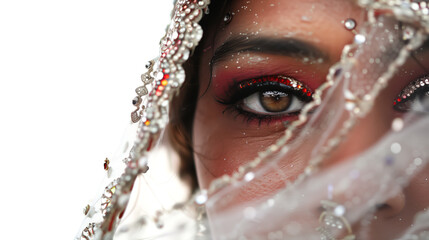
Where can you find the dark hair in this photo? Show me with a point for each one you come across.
(182, 107)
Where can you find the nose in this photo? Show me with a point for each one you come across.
(366, 132)
(364, 135)
(391, 207)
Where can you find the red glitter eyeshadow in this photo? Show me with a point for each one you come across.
(278, 79)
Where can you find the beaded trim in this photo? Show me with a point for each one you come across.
(162, 80)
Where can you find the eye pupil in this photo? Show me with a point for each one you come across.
(275, 101)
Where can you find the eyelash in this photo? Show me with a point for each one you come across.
(243, 89)
(405, 100)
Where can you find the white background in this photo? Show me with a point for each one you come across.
(68, 70)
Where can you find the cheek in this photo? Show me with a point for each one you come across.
(222, 144)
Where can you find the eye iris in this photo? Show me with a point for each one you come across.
(274, 101)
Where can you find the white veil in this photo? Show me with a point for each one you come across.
(337, 202)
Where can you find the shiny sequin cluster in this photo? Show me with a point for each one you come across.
(411, 88)
(278, 79)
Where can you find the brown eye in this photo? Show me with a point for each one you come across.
(275, 101)
(272, 103)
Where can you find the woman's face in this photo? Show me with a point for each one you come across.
(259, 68)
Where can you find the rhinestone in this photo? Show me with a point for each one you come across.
(397, 124)
(148, 65)
(407, 33)
(249, 176)
(350, 106)
(418, 161)
(227, 19)
(415, 6)
(159, 75)
(175, 35)
(339, 211)
(136, 101)
(106, 164)
(395, 148)
(141, 91)
(86, 209)
(135, 117)
(271, 202)
(359, 39)
(350, 24)
(201, 198)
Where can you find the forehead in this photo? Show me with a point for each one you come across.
(317, 21)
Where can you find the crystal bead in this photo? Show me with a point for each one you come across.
(86, 209)
(136, 101)
(135, 117)
(141, 91)
(350, 24)
(418, 161)
(395, 148)
(148, 65)
(397, 124)
(408, 33)
(106, 164)
(159, 75)
(339, 210)
(359, 39)
(228, 17)
(201, 198)
(249, 176)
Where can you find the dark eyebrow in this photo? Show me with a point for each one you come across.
(291, 47)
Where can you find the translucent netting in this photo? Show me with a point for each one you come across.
(355, 185)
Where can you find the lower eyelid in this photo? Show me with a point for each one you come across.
(240, 90)
(252, 118)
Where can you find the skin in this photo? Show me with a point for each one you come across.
(224, 140)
